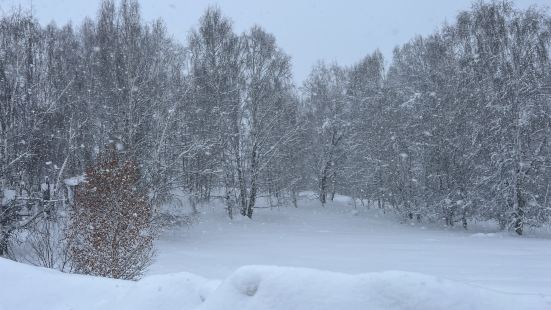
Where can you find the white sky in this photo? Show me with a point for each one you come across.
(308, 30)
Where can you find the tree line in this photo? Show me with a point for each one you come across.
(217, 117)
(456, 128)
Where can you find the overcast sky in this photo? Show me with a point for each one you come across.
(308, 30)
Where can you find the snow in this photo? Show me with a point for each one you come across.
(337, 257)
(7, 196)
(342, 239)
(28, 287)
(74, 181)
(250, 287)
(273, 288)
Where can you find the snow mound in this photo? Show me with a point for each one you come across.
(25, 287)
(275, 288)
(252, 287)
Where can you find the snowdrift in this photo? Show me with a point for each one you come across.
(24, 287)
(253, 287)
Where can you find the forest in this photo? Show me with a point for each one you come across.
(455, 128)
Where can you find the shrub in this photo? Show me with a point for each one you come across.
(110, 228)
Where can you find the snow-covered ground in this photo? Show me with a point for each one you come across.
(250, 288)
(343, 239)
(337, 257)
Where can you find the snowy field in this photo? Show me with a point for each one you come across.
(308, 258)
(343, 239)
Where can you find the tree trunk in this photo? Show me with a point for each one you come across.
(242, 187)
(464, 221)
(252, 194)
(229, 204)
(323, 185)
(519, 214)
(4, 239)
(333, 185)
